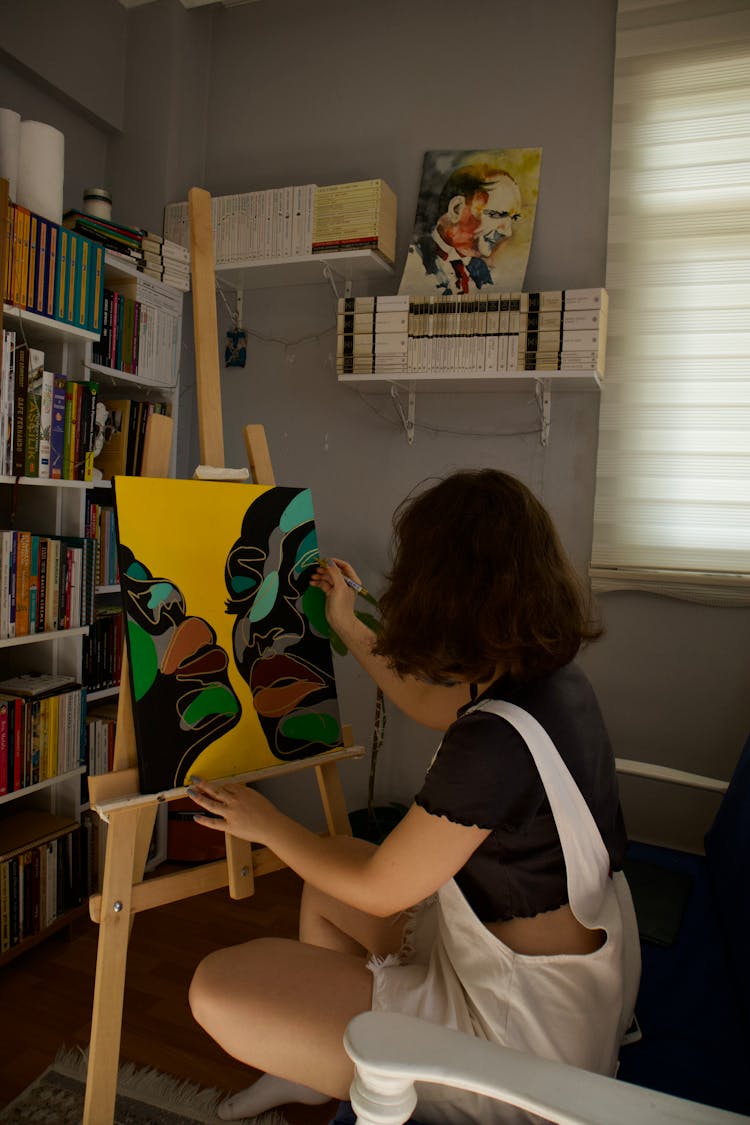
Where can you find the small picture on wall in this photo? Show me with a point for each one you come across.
(474, 221)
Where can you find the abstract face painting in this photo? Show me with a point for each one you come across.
(229, 656)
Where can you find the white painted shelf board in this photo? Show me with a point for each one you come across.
(39, 638)
(45, 482)
(307, 269)
(487, 381)
(46, 784)
(103, 693)
(46, 330)
(117, 377)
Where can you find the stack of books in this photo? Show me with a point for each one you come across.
(491, 333)
(356, 216)
(48, 269)
(276, 223)
(100, 738)
(120, 240)
(141, 332)
(166, 260)
(101, 661)
(47, 421)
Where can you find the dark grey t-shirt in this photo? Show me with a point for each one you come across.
(484, 775)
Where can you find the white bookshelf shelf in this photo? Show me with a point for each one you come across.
(46, 784)
(115, 377)
(44, 329)
(45, 482)
(103, 693)
(307, 269)
(492, 381)
(39, 638)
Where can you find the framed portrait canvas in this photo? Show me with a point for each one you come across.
(230, 660)
(474, 221)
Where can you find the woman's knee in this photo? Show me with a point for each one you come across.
(215, 979)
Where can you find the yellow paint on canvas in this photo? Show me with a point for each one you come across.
(193, 558)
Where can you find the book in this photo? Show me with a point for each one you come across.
(41, 385)
(33, 685)
(57, 428)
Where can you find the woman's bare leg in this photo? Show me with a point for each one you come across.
(282, 1006)
(326, 922)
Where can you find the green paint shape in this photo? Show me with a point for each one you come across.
(265, 599)
(299, 510)
(159, 594)
(242, 583)
(307, 553)
(144, 661)
(319, 727)
(137, 570)
(215, 700)
(314, 609)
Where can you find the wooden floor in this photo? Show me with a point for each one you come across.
(46, 994)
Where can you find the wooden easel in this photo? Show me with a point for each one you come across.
(130, 815)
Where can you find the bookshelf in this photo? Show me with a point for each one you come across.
(45, 828)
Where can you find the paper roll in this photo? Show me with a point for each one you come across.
(41, 168)
(10, 141)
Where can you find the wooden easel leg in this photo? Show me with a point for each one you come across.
(124, 840)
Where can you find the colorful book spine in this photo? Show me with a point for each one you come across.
(57, 428)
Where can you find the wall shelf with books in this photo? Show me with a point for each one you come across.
(114, 377)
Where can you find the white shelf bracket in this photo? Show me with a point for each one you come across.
(544, 404)
(328, 275)
(407, 420)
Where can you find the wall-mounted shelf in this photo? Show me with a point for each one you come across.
(443, 381)
(307, 269)
(541, 382)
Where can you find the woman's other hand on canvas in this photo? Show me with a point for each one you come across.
(234, 808)
(340, 598)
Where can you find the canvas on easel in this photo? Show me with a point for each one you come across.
(230, 660)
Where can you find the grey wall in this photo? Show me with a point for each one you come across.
(263, 95)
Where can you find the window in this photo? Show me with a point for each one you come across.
(672, 510)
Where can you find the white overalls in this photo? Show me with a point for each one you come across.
(571, 1007)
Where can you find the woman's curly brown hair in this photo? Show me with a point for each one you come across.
(480, 580)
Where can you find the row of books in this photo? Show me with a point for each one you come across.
(483, 332)
(295, 221)
(47, 583)
(99, 525)
(101, 659)
(100, 738)
(41, 735)
(147, 251)
(47, 421)
(42, 882)
(48, 269)
(159, 331)
(124, 436)
(117, 347)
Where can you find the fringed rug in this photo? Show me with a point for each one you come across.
(144, 1097)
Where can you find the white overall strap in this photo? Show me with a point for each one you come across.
(586, 857)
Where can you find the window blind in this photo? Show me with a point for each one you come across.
(672, 507)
